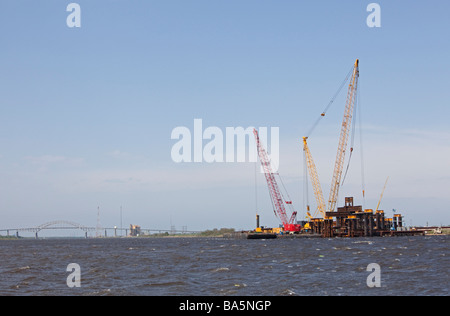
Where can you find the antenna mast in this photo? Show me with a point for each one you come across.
(98, 228)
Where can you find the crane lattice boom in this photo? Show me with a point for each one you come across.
(275, 194)
(343, 139)
(315, 181)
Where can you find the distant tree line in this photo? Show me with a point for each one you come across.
(216, 232)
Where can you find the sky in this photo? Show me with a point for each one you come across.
(87, 113)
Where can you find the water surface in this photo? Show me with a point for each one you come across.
(216, 266)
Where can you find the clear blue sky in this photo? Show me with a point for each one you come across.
(87, 113)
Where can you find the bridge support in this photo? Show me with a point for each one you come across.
(36, 236)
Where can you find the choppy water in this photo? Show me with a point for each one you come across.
(215, 266)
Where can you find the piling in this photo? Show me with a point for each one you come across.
(352, 221)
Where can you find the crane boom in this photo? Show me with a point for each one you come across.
(382, 192)
(343, 139)
(275, 194)
(315, 181)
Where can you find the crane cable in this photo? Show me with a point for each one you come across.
(357, 108)
(256, 187)
(256, 195)
(305, 187)
(352, 145)
(330, 103)
(289, 201)
(363, 185)
(305, 191)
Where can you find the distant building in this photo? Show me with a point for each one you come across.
(135, 230)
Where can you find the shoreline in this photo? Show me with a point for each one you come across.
(215, 233)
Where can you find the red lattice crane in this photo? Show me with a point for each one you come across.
(278, 201)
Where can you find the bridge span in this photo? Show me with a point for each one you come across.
(99, 232)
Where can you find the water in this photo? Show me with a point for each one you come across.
(216, 266)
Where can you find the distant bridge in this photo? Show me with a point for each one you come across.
(100, 232)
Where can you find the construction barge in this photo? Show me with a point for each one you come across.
(256, 235)
(347, 221)
(326, 221)
(353, 221)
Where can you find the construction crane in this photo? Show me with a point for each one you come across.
(278, 201)
(382, 192)
(315, 182)
(343, 139)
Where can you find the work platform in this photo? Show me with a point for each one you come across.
(353, 221)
